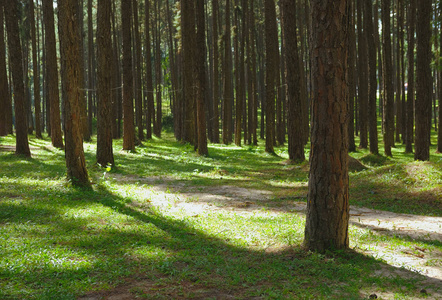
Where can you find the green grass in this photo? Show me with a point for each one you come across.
(57, 242)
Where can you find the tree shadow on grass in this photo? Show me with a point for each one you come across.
(98, 240)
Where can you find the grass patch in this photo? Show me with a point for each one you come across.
(63, 243)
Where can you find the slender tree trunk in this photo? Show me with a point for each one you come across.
(439, 132)
(271, 69)
(138, 85)
(37, 99)
(200, 55)
(424, 83)
(52, 74)
(105, 155)
(158, 68)
(328, 207)
(91, 77)
(238, 81)
(16, 66)
(215, 71)
(188, 44)
(128, 106)
(352, 80)
(372, 116)
(70, 51)
(398, 74)
(227, 73)
(388, 108)
(83, 98)
(5, 100)
(292, 73)
(363, 77)
(410, 89)
(149, 82)
(253, 77)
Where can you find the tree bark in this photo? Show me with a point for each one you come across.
(227, 80)
(292, 73)
(138, 72)
(328, 208)
(424, 83)
(70, 56)
(128, 105)
(409, 132)
(5, 100)
(372, 80)
(363, 77)
(200, 55)
(37, 99)
(52, 74)
(105, 155)
(215, 72)
(150, 110)
(16, 66)
(388, 107)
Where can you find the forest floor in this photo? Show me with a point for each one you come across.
(196, 201)
(166, 223)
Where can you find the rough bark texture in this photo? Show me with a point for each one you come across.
(128, 105)
(16, 66)
(271, 69)
(328, 207)
(372, 80)
(294, 118)
(201, 77)
(5, 100)
(409, 131)
(70, 55)
(52, 74)
(104, 79)
(424, 83)
(388, 106)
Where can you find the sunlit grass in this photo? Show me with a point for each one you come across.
(58, 242)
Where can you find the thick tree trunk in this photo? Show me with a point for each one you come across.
(128, 105)
(52, 74)
(424, 83)
(70, 56)
(105, 155)
(16, 66)
(328, 208)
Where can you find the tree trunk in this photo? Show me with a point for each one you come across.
(271, 69)
(52, 74)
(158, 68)
(227, 73)
(388, 107)
(16, 66)
(200, 55)
(372, 82)
(150, 110)
(91, 75)
(128, 105)
(215, 72)
(292, 73)
(352, 80)
(5, 100)
(363, 77)
(105, 155)
(36, 76)
(70, 56)
(439, 132)
(409, 132)
(424, 83)
(328, 208)
(188, 44)
(138, 85)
